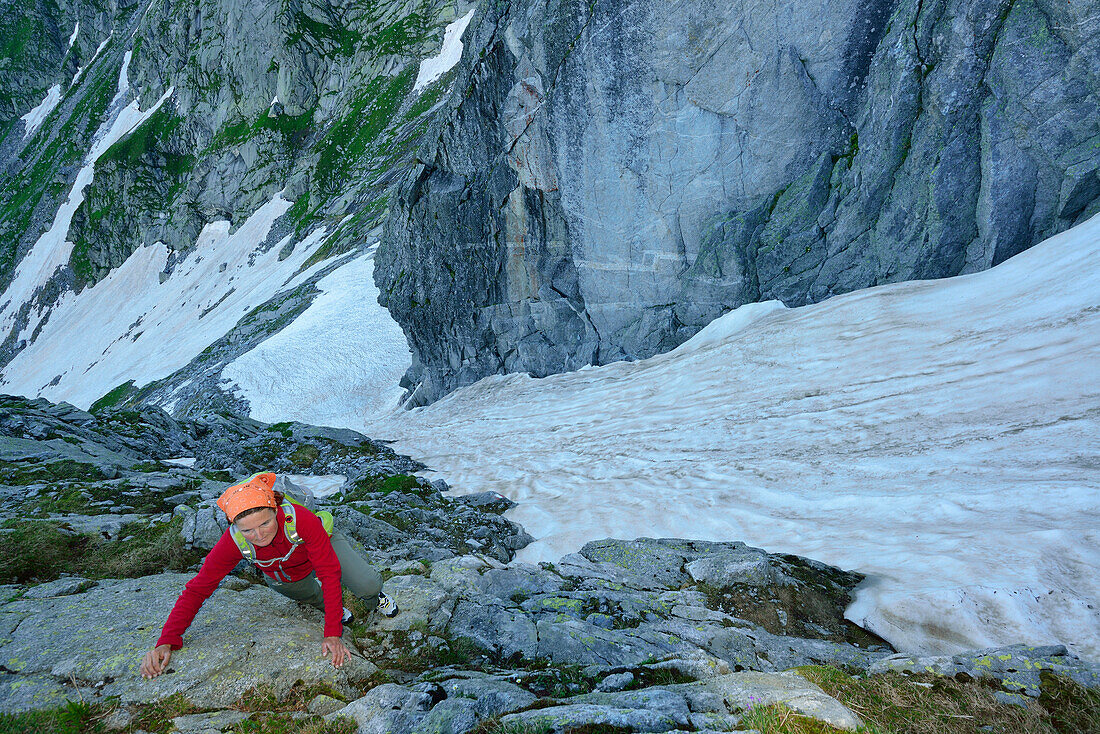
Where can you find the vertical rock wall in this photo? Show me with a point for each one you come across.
(620, 172)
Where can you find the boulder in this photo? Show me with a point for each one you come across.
(615, 682)
(203, 528)
(744, 690)
(422, 601)
(323, 705)
(489, 501)
(747, 566)
(493, 697)
(492, 625)
(386, 709)
(240, 639)
(453, 716)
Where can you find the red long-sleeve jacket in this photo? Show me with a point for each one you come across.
(314, 554)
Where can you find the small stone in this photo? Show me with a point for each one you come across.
(323, 705)
(118, 719)
(1014, 699)
(615, 682)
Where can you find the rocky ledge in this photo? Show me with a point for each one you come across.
(648, 635)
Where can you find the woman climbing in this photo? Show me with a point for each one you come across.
(293, 547)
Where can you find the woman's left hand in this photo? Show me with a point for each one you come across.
(335, 647)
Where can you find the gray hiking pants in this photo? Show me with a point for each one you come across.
(355, 573)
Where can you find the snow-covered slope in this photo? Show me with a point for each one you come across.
(52, 250)
(134, 325)
(337, 364)
(939, 436)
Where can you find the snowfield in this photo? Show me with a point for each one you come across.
(942, 437)
(338, 363)
(131, 326)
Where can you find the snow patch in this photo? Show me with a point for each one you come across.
(52, 250)
(123, 78)
(187, 461)
(34, 119)
(435, 67)
(938, 436)
(337, 364)
(72, 38)
(321, 485)
(130, 326)
(80, 71)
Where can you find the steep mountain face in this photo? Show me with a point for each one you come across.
(594, 181)
(619, 172)
(295, 117)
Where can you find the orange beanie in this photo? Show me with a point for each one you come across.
(256, 491)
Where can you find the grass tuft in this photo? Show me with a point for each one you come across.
(74, 718)
(895, 703)
(37, 551)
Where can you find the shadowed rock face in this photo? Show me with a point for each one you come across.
(621, 172)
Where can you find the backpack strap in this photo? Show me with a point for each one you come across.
(246, 549)
(290, 524)
(290, 527)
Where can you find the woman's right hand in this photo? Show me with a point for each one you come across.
(155, 661)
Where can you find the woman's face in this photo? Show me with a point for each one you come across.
(259, 528)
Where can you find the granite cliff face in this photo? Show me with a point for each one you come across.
(619, 172)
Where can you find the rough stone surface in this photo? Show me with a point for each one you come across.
(1017, 667)
(97, 646)
(387, 709)
(749, 688)
(493, 697)
(216, 721)
(562, 718)
(561, 219)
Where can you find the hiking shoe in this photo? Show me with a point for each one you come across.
(387, 606)
(348, 617)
